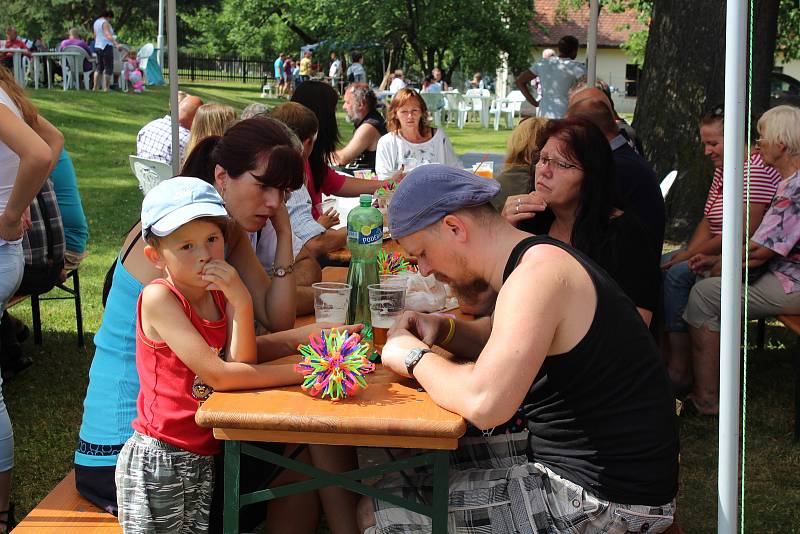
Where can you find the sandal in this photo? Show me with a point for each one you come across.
(10, 521)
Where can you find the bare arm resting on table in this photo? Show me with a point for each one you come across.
(529, 324)
(365, 137)
(353, 187)
(163, 319)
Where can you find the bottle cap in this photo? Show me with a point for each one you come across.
(365, 200)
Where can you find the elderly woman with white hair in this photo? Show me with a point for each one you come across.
(774, 249)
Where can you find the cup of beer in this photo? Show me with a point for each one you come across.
(399, 279)
(485, 169)
(331, 300)
(386, 305)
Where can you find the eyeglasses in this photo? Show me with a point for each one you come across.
(409, 112)
(761, 142)
(542, 161)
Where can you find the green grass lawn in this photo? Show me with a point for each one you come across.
(45, 402)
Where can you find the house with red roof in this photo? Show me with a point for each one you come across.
(556, 18)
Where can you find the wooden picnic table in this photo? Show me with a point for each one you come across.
(393, 412)
(342, 255)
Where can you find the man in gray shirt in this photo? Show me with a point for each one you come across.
(556, 76)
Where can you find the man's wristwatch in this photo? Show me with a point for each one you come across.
(413, 358)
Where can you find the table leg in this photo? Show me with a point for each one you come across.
(230, 517)
(64, 74)
(441, 491)
(35, 72)
(50, 75)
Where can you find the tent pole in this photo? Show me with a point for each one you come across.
(732, 235)
(160, 55)
(172, 58)
(591, 43)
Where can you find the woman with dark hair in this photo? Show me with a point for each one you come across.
(322, 99)
(104, 43)
(573, 201)
(411, 142)
(253, 166)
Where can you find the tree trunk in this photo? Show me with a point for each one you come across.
(765, 33)
(683, 78)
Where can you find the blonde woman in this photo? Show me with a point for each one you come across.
(516, 178)
(29, 148)
(211, 119)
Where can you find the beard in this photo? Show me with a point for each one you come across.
(469, 290)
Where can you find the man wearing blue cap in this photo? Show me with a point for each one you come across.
(565, 355)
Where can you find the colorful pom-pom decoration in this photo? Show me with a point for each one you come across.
(392, 263)
(334, 364)
(387, 187)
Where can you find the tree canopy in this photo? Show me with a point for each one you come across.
(420, 34)
(135, 21)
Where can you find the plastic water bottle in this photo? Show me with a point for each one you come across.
(364, 239)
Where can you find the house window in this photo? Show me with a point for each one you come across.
(632, 72)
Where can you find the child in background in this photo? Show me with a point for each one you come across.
(132, 73)
(194, 334)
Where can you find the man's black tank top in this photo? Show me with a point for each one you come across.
(366, 160)
(602, 415)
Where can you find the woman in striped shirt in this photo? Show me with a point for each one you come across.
(774, 247)
(680, 273)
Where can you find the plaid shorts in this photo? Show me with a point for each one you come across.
(162, 488)
(494, 489)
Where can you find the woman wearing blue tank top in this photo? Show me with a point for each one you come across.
(254, 156)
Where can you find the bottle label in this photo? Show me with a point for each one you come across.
(366, 235)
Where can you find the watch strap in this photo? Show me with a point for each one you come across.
(413, 359)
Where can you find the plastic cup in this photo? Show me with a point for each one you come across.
(485, 169)
(386, 305)
(331, 300)
(399, 280)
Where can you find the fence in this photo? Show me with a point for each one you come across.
(195, 67)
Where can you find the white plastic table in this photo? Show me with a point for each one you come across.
(19, 75)
(63, 57)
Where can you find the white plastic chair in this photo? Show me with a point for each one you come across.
(475, 95)
(143, 55)
(75, 65)
(435, 104)
(510, 106)
(119, 58)
(149, 172)
(458, 106)
(667, 182)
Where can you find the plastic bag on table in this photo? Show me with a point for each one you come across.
(425, 293)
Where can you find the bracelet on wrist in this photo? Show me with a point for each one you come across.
(449, 337)
(277, 271)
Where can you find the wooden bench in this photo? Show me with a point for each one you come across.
(65, 511)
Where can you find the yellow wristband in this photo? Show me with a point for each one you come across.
(450, 334)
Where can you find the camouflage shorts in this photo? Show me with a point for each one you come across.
(162, 488)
